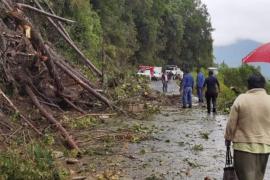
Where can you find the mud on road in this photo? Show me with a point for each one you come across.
(184, 144)
(188, 145)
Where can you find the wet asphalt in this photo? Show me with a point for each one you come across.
(185, 144)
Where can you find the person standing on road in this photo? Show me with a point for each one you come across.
(164, 79)
(211, 94)
(199, 85)
(181, 89)
(187, 84)
(248, 128)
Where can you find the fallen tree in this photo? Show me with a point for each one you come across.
(30, 64)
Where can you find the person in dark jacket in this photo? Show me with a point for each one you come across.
(199, 85)
(211, 83)
(187, 85)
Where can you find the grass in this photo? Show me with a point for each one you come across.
(204, 135)
(192, 164)
(197, 147)
(32, 161)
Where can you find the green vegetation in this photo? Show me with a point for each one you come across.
(191, 163)
(237, 78)
(81, 122)
(86, 32)
(197, 147)
(33, 161)
(131, 86)
(205, 135)
(154, 32)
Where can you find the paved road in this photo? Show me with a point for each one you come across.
(186, 144)
(173, 87)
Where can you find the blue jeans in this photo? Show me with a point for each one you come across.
(200, 94)
(165, 86)
(187, 96)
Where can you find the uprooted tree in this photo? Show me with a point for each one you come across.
(31, 67)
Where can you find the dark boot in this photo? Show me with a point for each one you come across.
(208, 111)
(214, 110)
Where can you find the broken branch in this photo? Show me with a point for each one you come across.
(85, 60)
(74, 106)
(51, 119)
(58, 22)
(21, 5)
(83, 84)
(17, 111)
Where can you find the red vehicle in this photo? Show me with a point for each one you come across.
(147, 71)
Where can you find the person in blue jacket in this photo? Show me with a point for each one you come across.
(199, 85)
(187, 85)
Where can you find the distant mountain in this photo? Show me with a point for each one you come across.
(232, 54)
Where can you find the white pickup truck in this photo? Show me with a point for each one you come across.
(174, 71)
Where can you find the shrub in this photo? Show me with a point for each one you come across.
(226, 97)
(237, 77)
(233, 77)
(31, 161)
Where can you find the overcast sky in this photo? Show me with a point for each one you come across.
(239, 19)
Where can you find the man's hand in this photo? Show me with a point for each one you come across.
(227, 142)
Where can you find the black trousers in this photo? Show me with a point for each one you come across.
(211, 99)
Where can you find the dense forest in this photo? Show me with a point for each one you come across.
(129, 32)
(71, 106)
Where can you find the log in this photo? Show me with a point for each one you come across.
(50, 104)
(51, 119)
(58, 22)
(74, 106)
(51, 66)
(84, 60)
(48, 100)
(97, 114)
(41, 45)
(77, 73)
(83, 84)
(18, 112)
(74, 71)
(42, 12)
(6, 125)
(7, 4)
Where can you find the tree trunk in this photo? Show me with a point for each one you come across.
(44, 13)
(85, 60)
(83, 84)
(51, 119)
